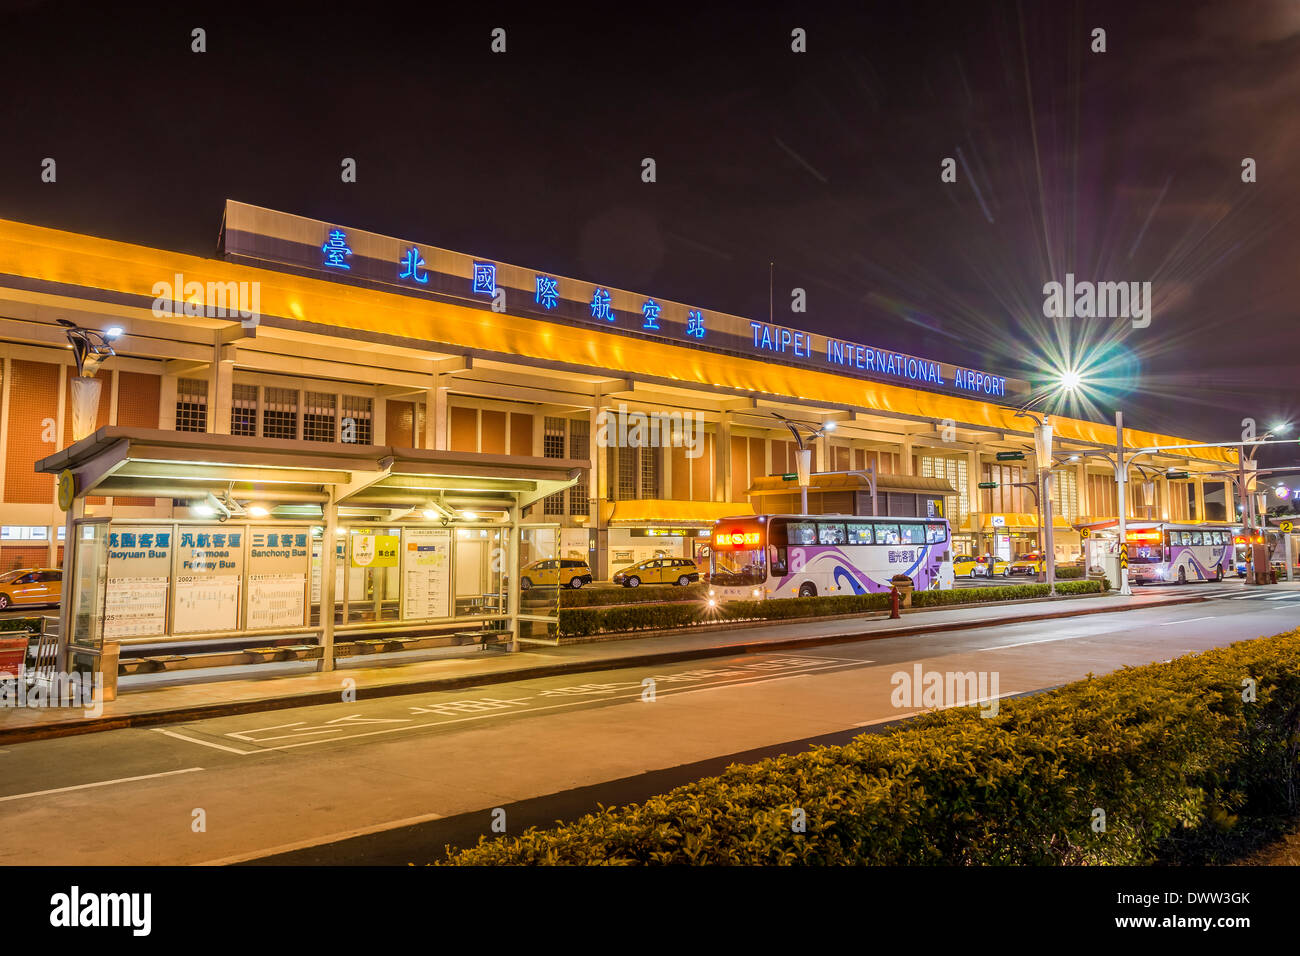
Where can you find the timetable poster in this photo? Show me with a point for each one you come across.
(426, 585)
(135, 590)
(338, 572)
(209, 570)
(277, 577)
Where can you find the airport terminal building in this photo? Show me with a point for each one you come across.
(300, 330)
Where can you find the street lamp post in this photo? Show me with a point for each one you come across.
(803, 457)
(89, 350)
(1121, 480)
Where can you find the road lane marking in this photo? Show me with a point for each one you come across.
(205, 743)
(1187, 620)
(322, 840)
(661, 693)
(100, 783)
(1045, 640)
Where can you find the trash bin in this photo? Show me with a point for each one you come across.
(108, 664)
(905, 588)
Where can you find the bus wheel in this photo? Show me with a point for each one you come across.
(807, 589)
(1182, 575)
(1218, 574)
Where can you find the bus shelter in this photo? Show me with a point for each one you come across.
(231, 567)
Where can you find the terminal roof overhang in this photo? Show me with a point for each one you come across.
(146, 462)
(46, 265)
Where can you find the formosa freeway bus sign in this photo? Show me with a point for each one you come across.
(272, 239)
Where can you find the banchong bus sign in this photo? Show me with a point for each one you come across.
(272, 239)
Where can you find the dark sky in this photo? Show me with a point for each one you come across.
(1120, 166)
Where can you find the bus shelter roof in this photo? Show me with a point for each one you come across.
(154, 463)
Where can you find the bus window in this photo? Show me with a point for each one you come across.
(888, 534)
(859, 533)
(830, 533)
(936, 533)
(1196, 537)
(912, 533)
(801, 532)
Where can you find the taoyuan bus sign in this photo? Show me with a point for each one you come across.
(266, 237)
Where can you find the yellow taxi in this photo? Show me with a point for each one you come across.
(1030, 563)
(31, 586)
(678, 571)
(977, 566)
(555, 572)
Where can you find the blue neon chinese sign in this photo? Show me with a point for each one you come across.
(485, 278)
(411, 264)
(548, 292)
(336, 250)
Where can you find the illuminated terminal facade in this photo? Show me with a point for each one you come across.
(299, 329)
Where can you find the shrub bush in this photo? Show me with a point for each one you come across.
(1166, 750)
(584, 622)
(597, 597)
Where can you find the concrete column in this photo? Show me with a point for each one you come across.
(722, 463)
(1199, 485)
(906, 455)
(1162, 510)
(327, 571)
(435, 413)
(220, 385)
(596, 491)
(972, 490)
(1081, 479)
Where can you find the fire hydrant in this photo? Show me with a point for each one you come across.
(893, 603)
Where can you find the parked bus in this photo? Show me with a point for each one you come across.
(784, 556)
(1160, 551)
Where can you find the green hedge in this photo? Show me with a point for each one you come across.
(21, 624)
(1170, 752)
(646, 594)
(584, 622)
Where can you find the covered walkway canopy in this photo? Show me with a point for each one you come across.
(420, 537)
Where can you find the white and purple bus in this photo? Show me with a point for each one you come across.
(1161, 551)
(782, 556)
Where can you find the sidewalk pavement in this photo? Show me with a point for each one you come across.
(260, 691)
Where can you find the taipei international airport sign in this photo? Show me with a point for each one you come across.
(271, 239)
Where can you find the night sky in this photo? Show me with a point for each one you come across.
(1117, 166)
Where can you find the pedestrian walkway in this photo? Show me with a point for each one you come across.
(266, 690)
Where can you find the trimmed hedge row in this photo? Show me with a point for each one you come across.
(595, 597)
(21, 624)
(1170, 753)
(584, 622)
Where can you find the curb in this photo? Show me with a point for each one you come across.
(427, 685)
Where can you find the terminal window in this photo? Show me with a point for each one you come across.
(318, 417)
(358, 413)
(243, 410)
(280, 413)
(191, 405)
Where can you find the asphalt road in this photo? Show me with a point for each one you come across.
(392, 780)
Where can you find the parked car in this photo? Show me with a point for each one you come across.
(555, 572)
(679, 571)
(1029, 563)
(27, 586)
(977, 566)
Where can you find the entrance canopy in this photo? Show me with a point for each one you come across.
(247, 472)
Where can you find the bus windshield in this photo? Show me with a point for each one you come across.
(739, 568)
